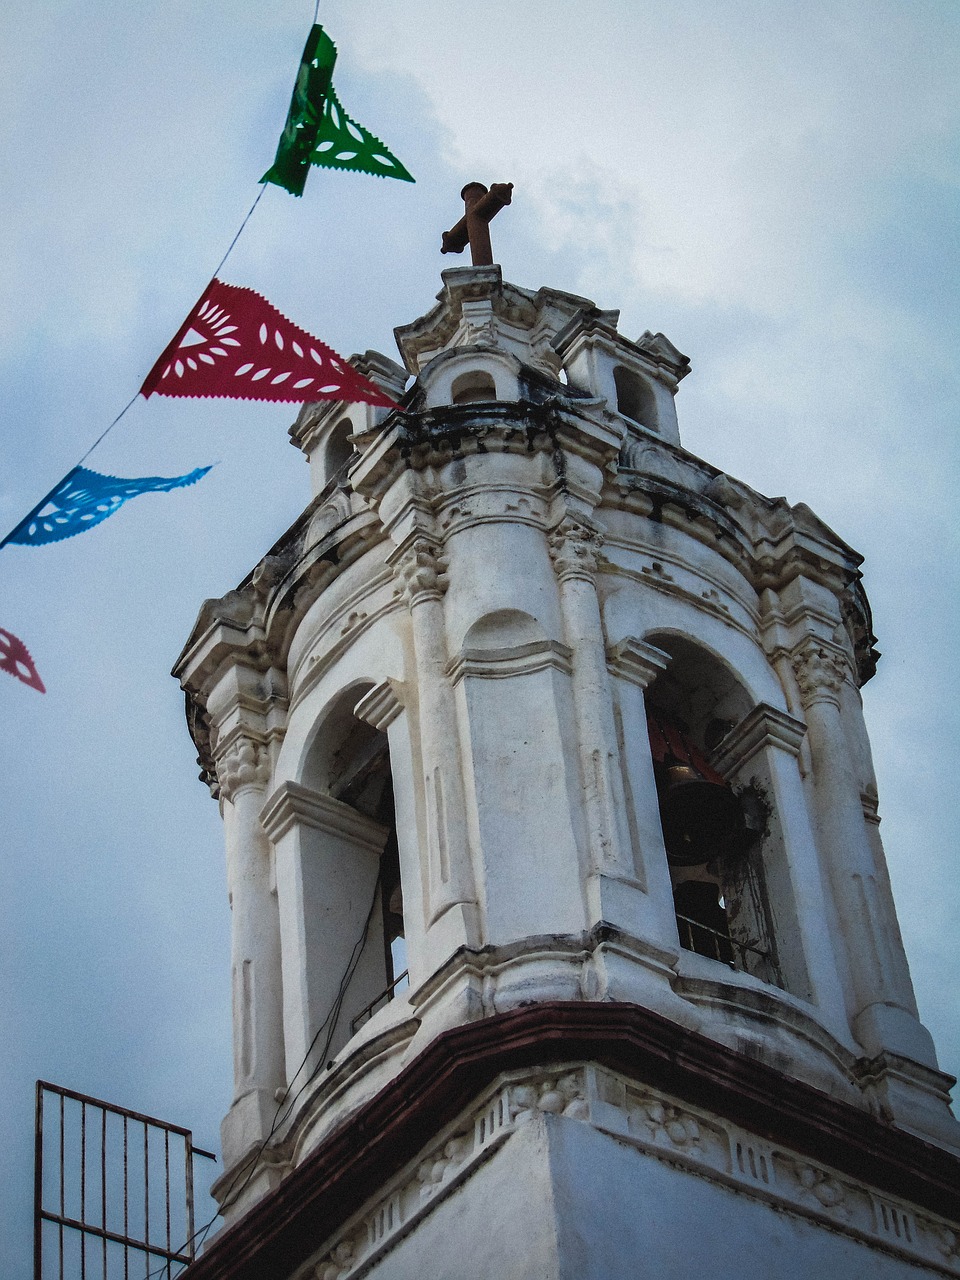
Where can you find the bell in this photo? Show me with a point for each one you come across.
(702, 821)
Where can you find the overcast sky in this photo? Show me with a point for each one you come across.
(773, 185)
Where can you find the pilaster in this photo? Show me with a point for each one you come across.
(328, 862)
(574, 548)
(419, 567)
(883, 1012)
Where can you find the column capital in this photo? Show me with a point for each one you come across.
(636, 661)
(820, 669)
(575, 548)
(242, 763)
(420, 567)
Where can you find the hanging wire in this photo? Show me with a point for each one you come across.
(103, 434)
(130, 403)
(216, 271)
(244, 1177)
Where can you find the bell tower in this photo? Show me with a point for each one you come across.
(563, 944)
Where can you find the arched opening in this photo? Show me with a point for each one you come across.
(473, 387)
(635, 397)
(711, 829)
(338, 450)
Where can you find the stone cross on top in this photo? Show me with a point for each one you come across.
(474, 227)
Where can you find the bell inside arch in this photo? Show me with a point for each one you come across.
(702, 819)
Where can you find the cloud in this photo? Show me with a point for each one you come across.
(774, 186)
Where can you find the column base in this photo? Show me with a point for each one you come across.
(243, 1133)
(913, 1097)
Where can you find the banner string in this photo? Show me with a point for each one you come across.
(129, 405)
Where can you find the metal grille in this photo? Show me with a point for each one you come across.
(113, 1191)
(366, 1013)
(744, 956)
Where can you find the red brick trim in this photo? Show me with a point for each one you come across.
(280, 1232)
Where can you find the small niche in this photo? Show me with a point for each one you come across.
(635, 398)
(338, 450)
(473, 387)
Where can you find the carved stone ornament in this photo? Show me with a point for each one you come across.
(244, 763)
(820, 672)
(575, 548)
(422, 570)
(657, 1126)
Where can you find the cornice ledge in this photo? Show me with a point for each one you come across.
(636, 661)
(211, 644)
(513, 660)
(764, 726)
(381, 706)
(282, 1231)
(292, 804)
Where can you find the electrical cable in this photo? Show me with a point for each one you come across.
(332, 1019)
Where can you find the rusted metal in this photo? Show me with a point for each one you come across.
(385, 996)
(99, 1227)
(747, 957)
(480, 206)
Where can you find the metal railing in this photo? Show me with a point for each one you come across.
(113, 1191)
(368, 1010)
(745, 957)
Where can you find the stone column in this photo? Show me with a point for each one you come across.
(258, 1053)
(884, 1013)
(450, 880)
(573, 548)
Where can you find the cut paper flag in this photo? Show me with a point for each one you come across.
(16, 661)
(318, 130)
(83, 499)
(234, 343)
(344, 144)
(299, 137)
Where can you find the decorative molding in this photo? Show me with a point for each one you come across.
(656, 1124)
(820, 670)
(871, 804)
(575, 549)
(420, 568)
(514, 660)
(764, 726)
(381, 706)
(242, 764)
(294, 805)
(425, 1103)
(637, 661)
(446, 1164)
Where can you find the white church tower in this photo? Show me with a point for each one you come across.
(563, 944)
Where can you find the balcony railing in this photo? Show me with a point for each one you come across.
(743, 957)
(113, 1191)
(400, 983)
